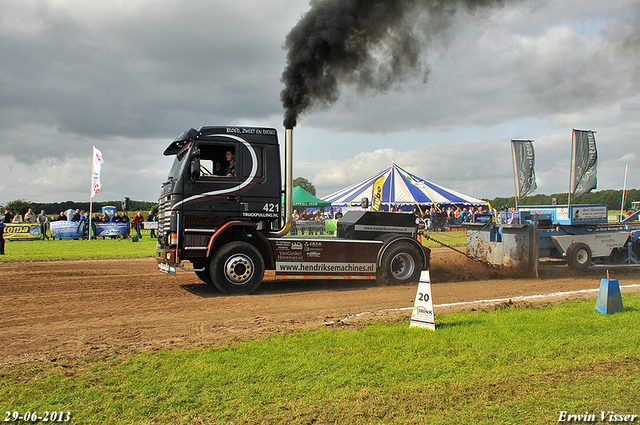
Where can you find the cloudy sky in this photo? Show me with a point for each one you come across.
(129, 76)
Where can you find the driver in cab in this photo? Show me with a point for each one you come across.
(230, 171)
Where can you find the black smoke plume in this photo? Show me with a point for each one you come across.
(372, 44)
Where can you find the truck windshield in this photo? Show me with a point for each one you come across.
(178, 163)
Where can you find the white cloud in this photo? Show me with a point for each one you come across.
(129, 76)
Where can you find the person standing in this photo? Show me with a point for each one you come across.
(136, 223)
(43, 220)
(8, 217)
(30, 217)
(94, 220)
(2, 238)
(2, 230)
(84, 220)
(151, 218)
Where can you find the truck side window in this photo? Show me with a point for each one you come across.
(213, 160)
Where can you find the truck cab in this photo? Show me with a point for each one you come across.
(220, 210)
(205, 191)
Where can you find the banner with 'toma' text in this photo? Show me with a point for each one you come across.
(21, 231)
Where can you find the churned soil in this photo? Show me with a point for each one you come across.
(73, 308)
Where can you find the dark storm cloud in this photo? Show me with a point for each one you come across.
(497, 65)
(373, 44)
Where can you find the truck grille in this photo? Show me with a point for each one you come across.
(164, 216)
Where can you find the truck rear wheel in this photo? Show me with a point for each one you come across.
(401, 264)
(579, 256)
(237, 268)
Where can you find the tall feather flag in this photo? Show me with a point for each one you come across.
(376, 198)
(96, 169)
(524, 167)
(585, 162)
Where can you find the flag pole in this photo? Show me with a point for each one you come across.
(571, 167)
(91, 193)
(624, 190)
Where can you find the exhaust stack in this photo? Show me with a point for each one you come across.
(288, 182)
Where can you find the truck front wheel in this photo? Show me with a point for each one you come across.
(579, 256)
(204, 275)
(237, 268)
(401, 264)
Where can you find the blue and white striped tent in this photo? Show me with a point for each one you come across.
(400, 188)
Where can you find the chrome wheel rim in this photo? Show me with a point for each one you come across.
(238, 269)
(402, 266)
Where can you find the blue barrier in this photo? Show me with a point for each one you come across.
(609, 297)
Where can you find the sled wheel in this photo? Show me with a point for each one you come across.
(237, 268)
(579, 256)
(401, 264)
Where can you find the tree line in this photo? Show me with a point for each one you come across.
(612, 198)
(21, 206)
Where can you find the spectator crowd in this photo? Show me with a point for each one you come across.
(436, 218)
(78, 216)
(429, 217)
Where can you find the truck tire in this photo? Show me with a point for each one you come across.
(237, 268)
(203, 275)
(579, 256)
(401, 264)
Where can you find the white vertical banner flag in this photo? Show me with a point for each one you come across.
(96, 168)
(422, 315)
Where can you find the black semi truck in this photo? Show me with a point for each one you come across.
(230, 225)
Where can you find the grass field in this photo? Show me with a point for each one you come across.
(95, 248)
(508, 366)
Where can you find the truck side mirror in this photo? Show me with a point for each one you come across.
(194, 168)
(365, 202)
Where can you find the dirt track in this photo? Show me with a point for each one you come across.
(73, 308)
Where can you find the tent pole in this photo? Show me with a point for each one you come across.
(392, 192)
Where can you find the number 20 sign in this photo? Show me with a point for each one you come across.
(422, 315)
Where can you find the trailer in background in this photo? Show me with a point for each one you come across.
(578, 234)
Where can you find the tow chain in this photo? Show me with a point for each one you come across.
(469, 256)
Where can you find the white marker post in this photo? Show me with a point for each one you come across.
(422, 315)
